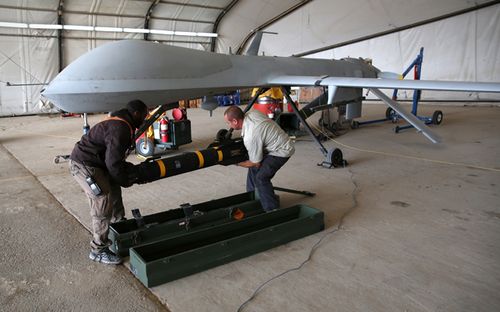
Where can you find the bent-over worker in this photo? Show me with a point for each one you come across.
(268, 146)
(98, 165)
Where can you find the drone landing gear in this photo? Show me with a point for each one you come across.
(334, 158)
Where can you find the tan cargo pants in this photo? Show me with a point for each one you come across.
(104, 208)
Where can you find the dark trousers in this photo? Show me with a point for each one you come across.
(260, 179)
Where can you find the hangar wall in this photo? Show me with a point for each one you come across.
(464, 47)
(25, 63)
(29, 57)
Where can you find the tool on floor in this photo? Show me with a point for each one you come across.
(286, 190)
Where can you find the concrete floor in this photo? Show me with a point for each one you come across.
(410, 225)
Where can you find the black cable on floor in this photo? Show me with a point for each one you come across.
(313, 248)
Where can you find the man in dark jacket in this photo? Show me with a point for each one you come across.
(98, 165)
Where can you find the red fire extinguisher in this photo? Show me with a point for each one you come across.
(164, 130)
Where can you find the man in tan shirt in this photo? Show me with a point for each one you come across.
(269, 148)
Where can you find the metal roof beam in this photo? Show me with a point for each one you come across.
(269, 23)
(192, 5)
(12, 7)
(218, 20)
(66, 12)
(60, 21)
(140, 16)
(149, 13)
(97, 38)
(203, 6)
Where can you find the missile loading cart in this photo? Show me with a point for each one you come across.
(165, 134)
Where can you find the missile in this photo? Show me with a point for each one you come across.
(229, 152)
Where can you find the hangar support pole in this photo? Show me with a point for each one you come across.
(60, 21)
(270, 22)
(218, 20)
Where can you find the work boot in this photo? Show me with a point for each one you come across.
(105, 256)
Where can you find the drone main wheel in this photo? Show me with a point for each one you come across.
(389, 113)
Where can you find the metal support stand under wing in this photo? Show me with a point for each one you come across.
(333, 157)
(254, 99)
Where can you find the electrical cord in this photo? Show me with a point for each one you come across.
(313, 248)
(355, 204)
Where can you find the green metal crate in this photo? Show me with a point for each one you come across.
(192, 252)
(168, 224)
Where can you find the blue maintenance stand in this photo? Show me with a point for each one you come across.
(390, 114)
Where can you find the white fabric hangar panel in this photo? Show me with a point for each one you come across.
(25, 62)
(464, 47)
(245, 17)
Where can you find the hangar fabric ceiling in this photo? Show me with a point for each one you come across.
(40, 37)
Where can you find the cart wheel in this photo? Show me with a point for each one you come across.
(60, 158)
(355, 124)
(145, 149)
(396, 129)
(437, 117)
(390, 113)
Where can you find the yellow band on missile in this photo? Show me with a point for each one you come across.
(163, 170)
(219, 152)
(200, 158)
